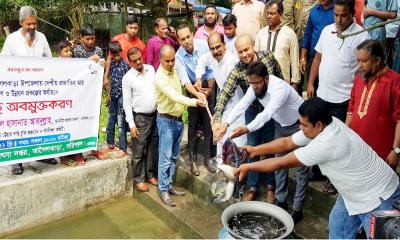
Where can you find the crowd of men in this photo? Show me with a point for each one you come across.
(244, 80)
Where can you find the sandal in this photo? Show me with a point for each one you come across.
(329, 189)
(17, 169)
(51, 161)
(67, 162)
(79, 159)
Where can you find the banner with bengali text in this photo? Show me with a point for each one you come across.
(49, 107)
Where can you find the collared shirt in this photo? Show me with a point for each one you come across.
(230, 45)
(361, 177)
(302, 9)
(239, 77)
(126, 44)
(250, 17)
(170, 99)
(381, 5)
(16, 45)
(186, 63)
(318, 19)
(139, 92)
(281, 102)
(81, 52)
(202, 34)
(393, 28)
(338, 62)
(117, 72)
(286, 51)
(153, 49)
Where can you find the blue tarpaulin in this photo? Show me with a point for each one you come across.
(219, 9)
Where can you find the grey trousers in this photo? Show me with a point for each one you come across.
(282, 176)
(145, 149)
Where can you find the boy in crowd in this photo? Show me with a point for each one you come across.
(118, 68)
(87, 48)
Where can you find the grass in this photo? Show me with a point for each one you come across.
(103, 117)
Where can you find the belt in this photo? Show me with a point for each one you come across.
(179, 119)
(147, 114)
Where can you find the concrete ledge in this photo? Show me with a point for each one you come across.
(191, 217)
(50, 193)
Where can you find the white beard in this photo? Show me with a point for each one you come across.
(28, 36)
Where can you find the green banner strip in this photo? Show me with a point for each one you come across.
(46, 149)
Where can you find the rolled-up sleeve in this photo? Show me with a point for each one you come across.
(171, 93)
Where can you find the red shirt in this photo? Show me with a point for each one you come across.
(127, 44)
(375, 107)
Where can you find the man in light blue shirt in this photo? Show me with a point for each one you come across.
(187, 57)
(378, 11)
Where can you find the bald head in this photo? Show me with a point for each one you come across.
(216, 44)
(166, 49)
(167, 57)
(244, 39)
(244, 45)
(215, 37)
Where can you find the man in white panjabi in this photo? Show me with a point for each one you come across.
(221, 62)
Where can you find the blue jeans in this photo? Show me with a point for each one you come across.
(169, 134)
(343, 226)
(116, 115)
(262, 135)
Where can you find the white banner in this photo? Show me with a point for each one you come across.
(49, 107)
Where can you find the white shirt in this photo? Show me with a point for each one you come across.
(139, 93)
(357, 172)
(221, 71)
(16, 45)
(338, 62)
(281, 102)
(230, 45)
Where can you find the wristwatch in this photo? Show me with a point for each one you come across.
(397, 151)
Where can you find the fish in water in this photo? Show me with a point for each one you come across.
(232, 156)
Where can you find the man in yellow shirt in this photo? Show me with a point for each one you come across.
(171, 104)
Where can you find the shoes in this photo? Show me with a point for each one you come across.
(79, 159)
(209, 166)
(166, 199)
(175, 192)
(50, 161)
(297, 216)
(282, 205)
(153, 181)
(142, 187)
(329, 189)
(194, 169)
(270, 194)
(251, 194)
(17, 169)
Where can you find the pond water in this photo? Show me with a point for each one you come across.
(122, 219)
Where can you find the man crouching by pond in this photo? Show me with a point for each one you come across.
(364, 181)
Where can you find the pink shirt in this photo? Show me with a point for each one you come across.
(153, 49)
(202, 34)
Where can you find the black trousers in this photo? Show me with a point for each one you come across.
(145, 148)
(339, 110)
(199, 119)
